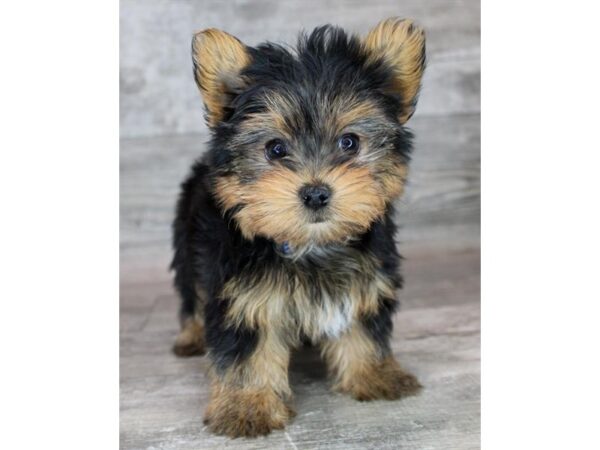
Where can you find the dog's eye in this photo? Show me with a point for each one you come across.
(275, 149)
(348, 143)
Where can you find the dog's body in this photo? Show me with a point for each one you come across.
(284, 230)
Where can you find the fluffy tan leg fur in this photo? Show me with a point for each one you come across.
(252, 397)
(361, 370)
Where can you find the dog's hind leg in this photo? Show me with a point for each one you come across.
(191, 339)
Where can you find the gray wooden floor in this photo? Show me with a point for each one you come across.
(436, 337)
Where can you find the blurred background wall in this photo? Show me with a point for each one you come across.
(161, 115)
(158, 95)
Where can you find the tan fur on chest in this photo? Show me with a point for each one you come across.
(294, 302)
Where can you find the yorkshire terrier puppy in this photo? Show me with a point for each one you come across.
(284, 229)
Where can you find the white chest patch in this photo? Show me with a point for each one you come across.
(334, 318)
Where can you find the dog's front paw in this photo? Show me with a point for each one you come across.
(236, 412)
(383, 380)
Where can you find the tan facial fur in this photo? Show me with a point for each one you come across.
(361, 188)
(273, 208)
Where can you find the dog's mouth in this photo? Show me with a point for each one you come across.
(318, 217)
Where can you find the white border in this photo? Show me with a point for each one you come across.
(59, 239)
(540, 225)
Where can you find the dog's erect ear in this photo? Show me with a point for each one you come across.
(219, 58)
(402, 45)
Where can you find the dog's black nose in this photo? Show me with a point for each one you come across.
(315, 197)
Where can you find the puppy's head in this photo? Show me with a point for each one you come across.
(308, 144)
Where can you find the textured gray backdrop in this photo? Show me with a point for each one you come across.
(158, 95)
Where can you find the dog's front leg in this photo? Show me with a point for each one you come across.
(252, 396)
(363, 366)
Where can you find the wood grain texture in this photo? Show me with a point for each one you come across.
(436, 337)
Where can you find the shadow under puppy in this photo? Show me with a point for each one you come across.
(284, 229)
